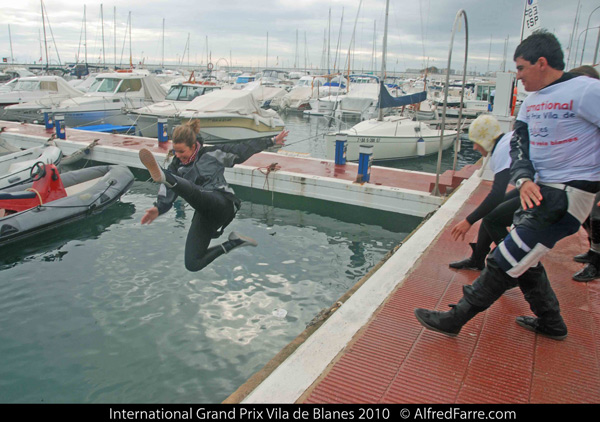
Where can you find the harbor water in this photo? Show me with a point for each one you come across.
(105, 312)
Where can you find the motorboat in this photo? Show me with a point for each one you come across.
(50, 91)
(392, 138)
(179, 96)
(32, 93)
(242, 81)
(275, 77)
(53, 200)
(306, 89)
(11, 73)
(108, 96)
(231, 115)
(267, 96)
(360, 100)
(16, 167)
(478, 100)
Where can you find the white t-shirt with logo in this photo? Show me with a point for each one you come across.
(564, 130)
(500, 159)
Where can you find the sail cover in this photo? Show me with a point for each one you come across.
(386, 100)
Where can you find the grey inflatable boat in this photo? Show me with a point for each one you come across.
(54, 200)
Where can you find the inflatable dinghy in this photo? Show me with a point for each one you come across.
(52, 199)
(15, 168)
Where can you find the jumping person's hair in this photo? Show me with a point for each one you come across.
(541, 44)
(585, 70)
(187, 133)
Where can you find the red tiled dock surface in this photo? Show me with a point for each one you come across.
(493, 360)
(324, 168)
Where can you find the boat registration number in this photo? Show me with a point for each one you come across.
(368, 140)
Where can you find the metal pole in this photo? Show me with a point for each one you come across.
(436, 191)
(578, 38)
(585, 38)
(596, 49)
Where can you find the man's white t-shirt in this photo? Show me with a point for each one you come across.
(564, 130)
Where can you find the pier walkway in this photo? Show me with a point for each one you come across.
(388, 357)
(389, 189)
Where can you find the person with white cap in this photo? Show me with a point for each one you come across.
(487, 137)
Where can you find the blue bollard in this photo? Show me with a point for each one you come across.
(59, 122)
(48, 121)
(365, 158)
(341, 145)
(162, 126)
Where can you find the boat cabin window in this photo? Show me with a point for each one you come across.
(105, 85)
(49, 86)
(483, 92)
(130, 85)
(27, 86)
(184, 93)
(188, 93)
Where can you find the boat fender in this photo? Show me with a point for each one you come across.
(421, 147)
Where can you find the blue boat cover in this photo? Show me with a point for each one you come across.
(386, 100)
(106, 128)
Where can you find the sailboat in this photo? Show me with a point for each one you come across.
(392, 137)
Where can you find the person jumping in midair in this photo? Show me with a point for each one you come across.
(197, 175)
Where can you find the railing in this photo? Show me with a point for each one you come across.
(436, 190)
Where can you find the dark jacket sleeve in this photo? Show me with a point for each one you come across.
(521, 165)
(166, 196)
(243, 150)
(493, 199)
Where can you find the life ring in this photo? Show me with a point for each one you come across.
(210, 66)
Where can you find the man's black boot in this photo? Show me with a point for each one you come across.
(544, 304)
(449, 323)
(474, 262)
(592, 270)
(584, 258)
(555, 331)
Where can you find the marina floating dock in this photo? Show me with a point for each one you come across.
(392, 190)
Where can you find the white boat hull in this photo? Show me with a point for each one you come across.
(392, 139)
(217, 129)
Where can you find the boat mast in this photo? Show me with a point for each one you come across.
(102, 25)
(115, 32)
(44, 25)
(162, 62)
(382, 82)
(85, 35)
(130, 49)
(12, 58)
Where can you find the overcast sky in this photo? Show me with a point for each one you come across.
(236, 31)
